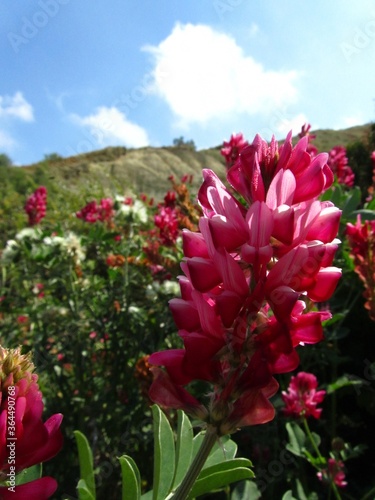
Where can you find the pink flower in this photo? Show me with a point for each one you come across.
(338, 163)
(35, 441)
(36, 206)
(361, 238)
(302, 398)
(305, 131)
(94, 212)
(22, 319)
(335, 473)
(233, 148)
(248, 274)
(167, 221)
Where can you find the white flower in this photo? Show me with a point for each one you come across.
(10, 251)
(28, 232)
(73, 247)
(137, 211)
(53, 240)
(170, 287)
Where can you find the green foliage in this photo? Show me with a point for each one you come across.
(220, 469)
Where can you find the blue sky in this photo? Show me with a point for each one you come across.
(80, 75)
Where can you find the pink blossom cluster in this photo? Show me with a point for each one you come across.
(252, 274)
(334, 472)
(232, 148)
(337, 159)
(305, 131)
(36, 206)
(338, 162)
(94, 211)
(168, 223)
(301, 398)
(361, 239)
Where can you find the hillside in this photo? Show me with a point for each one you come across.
(120, 170)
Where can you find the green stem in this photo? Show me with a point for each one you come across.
(321, 458)
(196, 466)
(312, 441)
(369, 494)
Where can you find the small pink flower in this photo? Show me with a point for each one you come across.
(22, 319)
(94, 212)
(335, 473)
(233, 148)
(302, 398)
(92, 335)
(361, 239)
(338, 163)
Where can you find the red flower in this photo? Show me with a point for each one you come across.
(36, 206)
(240, 314)
(21, 423)
(302, 398)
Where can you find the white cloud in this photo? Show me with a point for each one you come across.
(16, 107)
(295, 123)
(203, 75)
(350, 121)
(109, 127)
(6, 141)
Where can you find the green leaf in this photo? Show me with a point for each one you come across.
(184, 447)
(246, 489)
(352, 202)
(131, 479)
(84, 492)
(345, 381)
(164, 455)
(217, 477)
(297, 439)
(30, 474)
(224, 449)
(365, 214)
(288, 495)
(85, 465)
(224, 466)
(148, 495)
